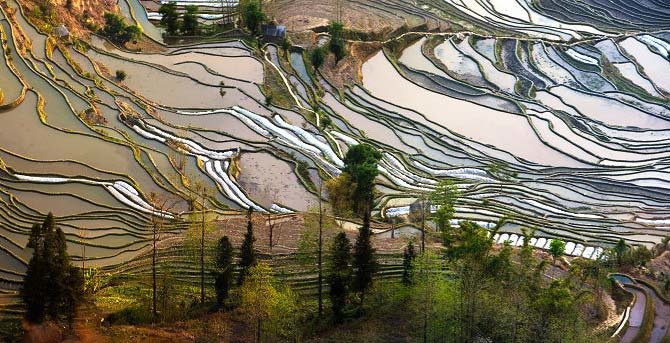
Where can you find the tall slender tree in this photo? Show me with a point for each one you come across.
(223, 279)
(52, 286)
(407, 262)
(247, 253)
(365, 262)
(339, 274)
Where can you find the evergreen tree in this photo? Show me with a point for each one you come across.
(339, 274)
(170, 17)
(364, 263)
(247, 253)
(407, 260)
(190, 21)
(52, 286)
(223, 279)
(360, 164)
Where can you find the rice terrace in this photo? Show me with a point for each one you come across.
(335, 171)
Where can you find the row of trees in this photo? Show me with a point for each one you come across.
(188, 25)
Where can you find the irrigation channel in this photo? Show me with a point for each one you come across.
(648, 317)
(579, 113)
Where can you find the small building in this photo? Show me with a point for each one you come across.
(274, 33)
(61, 31)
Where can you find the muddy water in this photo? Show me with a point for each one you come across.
(268, 180)
(504, 130)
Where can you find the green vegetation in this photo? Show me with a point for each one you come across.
(317, 57)
(170, 19)
(118, 31)
(252, 15)
(444, 196)
(189, 25)
(247, 253)
(556, 249)
(52, 287)
(121, 75)
(364, 262)
(339, 275)
(337, 44)
(223, 277)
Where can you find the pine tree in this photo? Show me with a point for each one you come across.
(52, 286)
(223, 278)
(339, 275)
(247, 253)
(407, 260)
(365, 263)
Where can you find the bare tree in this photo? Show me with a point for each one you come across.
(162, 205)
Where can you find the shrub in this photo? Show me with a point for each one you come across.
(121, 75)
(317, 57)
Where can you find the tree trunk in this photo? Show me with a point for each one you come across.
(320, 251)
(258, 330)
(153, 273)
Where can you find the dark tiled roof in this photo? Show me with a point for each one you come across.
(274, 31)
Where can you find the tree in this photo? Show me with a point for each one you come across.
(407, 261)
(620, 250)
(360, 163)
(121, 75)
(337, 45)
(223, 278)
(190, 21)
(317, 57)
(52, 286)
(339, 274)
(158, 222)
(340, 194)
(267, 305)
(556, 249)
(444, 197)
(365, 262)
(170, 17)
(252, 15)
(247, 253)
(116, 29)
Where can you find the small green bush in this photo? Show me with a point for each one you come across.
(121, 75)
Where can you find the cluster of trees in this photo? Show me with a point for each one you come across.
(352, 192)
(118, 31)
(252, 15)
(337, 46)
(631, 256)
(52, 287)
(188, 25)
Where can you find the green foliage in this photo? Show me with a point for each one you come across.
(317, 57)
(444, 196)
(121, 75)
(337, 44)
(364, 262)
(407, 262)
(247, 253)
(360, 164)
(267, 306)
(556, 248)
(170, 17)
(252, 16)
(501, 171)
(339, 274)
(190, 21)
(118, 31)
(223, 277)
(52, 287)
(340, 194)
